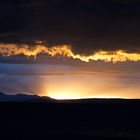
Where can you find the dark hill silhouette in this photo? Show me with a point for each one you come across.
(22, 98)
(35, 98)
(34, 117)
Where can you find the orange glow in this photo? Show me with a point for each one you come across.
(79, 94)
(63, 96)
(88, 86)
(73, 94)
(66, 51)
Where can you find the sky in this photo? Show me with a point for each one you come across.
(69, 48)
(63, 81)
(86, 25)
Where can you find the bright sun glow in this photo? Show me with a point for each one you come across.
(77, 87)
(65, 95)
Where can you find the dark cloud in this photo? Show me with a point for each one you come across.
(86, 25)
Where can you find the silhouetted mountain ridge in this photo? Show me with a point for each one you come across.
(21, 98)
(45, 99)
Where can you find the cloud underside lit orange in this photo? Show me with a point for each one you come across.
(66, 51)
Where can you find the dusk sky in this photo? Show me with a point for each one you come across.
(77, 48)
(86, 25)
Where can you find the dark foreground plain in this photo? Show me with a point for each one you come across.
(112, 119)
